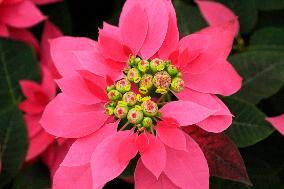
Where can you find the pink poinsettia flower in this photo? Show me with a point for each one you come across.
(16, 16)
(216, 13)
(38, 96)
(277, 122)
(129, 81)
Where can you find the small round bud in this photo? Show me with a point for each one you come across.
(135, 116)
(172, 70)
(110, 110)
(133, 74)
(147, 122)
(157, 65)
(111, 104)
(121, 111)
(131, 60)
(146, 81)
(137, 60)
(109, 88)
(143, 65)
(149, 108)
(177, 85)
(123, 85)
(162, 80)
(129, 98)
(179, 74)
(114, 95)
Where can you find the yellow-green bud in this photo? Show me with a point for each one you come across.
(135, 116)
(147, 122)
(133, 74)
(149, 108)
(114, 95)
(172, 70)
(177, 85)
(123, 85)
(130, 98)
(111, 87)
(121, 111)
(157, 65)
(143, 66)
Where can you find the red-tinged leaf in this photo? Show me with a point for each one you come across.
(224, 158)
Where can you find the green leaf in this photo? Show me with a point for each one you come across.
(261, 174)
(17, 62)
(13, 142)
(268, 36)
(246, 11)
(189, 18)
(262, 71)
(60, 15)
(249, 125)
(268, 5)
(33, 177)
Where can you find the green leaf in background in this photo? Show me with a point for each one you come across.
(59, 14)
(189, 18)
(249, 125)
(261, 174)
(35, 176)
(246, 11)
(267, 37)
(17, 61)
(268, 5)
(263, 73)
(13, 142)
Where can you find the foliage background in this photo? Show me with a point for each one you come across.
(258, 56)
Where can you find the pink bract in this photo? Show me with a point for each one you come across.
(38, 96)
(168, 156)
(277, 122)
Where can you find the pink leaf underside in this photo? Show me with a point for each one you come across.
(277, 122)
(67, 119)
(62, 49)
(187, 169)
(186, 112)
(144, 179)
(21, 15)
(82, 149)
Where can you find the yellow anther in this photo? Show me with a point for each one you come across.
(137, 107)
(139, 97)
(143, 90)
(137, 79)
(122, 103)
(161, 91)
(146, 98)
(160, 67)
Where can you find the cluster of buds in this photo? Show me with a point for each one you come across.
(150, 79)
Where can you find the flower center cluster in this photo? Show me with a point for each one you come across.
(136, 98)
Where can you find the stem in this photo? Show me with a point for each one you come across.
(161, 103)
(161, 98)
(124, 126)
(152, 130)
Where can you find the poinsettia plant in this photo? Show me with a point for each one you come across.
(165, 94)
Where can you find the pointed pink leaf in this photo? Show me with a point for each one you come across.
(3, 30)
(143, 142)
(219, 79)
(187, 168)
(154, 158)
(172, 37)
(50, 31)
(21, 15)
(186, 112)
(105, 162)
(30, 88)
(31, 107)
(131, 151)
(134, 28)
(25, 36)
(171, 135)
(221, 38)
(32, 124)
(224, 158)
(38, 144)
(144, 179)
(47, 84)
(73, 177)
(277, 122)
(77, 90)
(62, 53)
(216, 13)
(81, 151)
(111, 47)
(64, 118)
(157, 28)
(98, 65)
